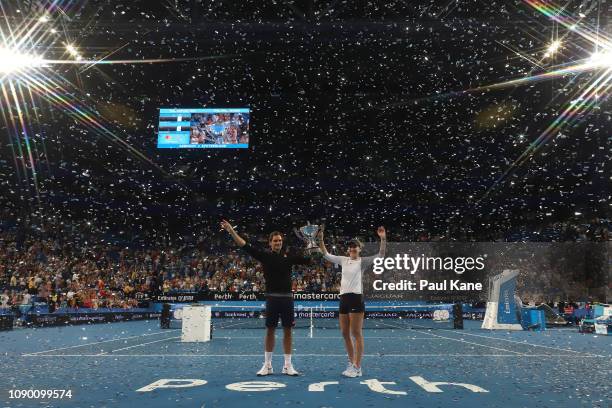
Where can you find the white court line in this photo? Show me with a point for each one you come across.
(569, 328)
(233, 325)
(304, 355)
(461, 341)
(140, 345)
(100, 342)
(531, 344)
(325, 337)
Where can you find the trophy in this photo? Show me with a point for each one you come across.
(308, 233)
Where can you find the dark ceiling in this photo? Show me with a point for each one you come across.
(362, 113)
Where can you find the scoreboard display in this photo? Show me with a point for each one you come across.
(203, 128)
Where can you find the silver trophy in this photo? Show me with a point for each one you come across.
(308, 233)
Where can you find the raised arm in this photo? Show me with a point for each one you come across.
(331, 258)
(237, 238)
(368, 260)
(382, 234)
(322, 241)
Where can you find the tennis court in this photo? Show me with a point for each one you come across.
(106, 365)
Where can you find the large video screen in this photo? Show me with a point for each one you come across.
(185, 128)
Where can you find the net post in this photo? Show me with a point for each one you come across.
(164, 319)
(311, 324)
(458, 316)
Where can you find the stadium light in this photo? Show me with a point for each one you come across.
(12, 60)
(71, 50)
(553, 48)
(603, 59)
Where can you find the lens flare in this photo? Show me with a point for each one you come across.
(12, 60)
(601, 59)
(553, 48)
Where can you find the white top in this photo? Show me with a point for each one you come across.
(352, 271)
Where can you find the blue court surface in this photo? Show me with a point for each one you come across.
(106, 365)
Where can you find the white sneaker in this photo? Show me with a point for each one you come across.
(289, 370)
(349, 366)
(265, 370)
(352, 372)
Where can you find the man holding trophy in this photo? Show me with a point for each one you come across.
(279, 298)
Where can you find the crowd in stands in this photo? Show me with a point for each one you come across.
(83, 272)
(105, 275)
